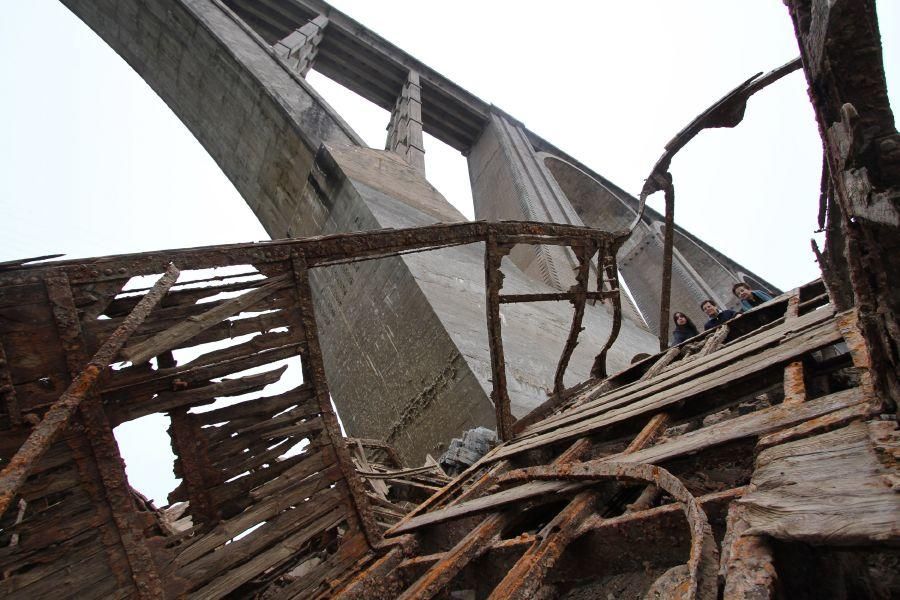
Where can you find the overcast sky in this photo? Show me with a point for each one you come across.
(92, 162)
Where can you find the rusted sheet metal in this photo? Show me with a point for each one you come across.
(57, 417)
(703, 560)
(314, 373)
(8, 391)
(584, 254)
(493, 280)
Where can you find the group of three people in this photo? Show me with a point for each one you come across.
(685, 328)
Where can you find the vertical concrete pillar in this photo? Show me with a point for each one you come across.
(299, 48)
(405, 127)
(510, 182)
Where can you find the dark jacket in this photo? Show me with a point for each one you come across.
(724, 315)
(682, 333)
(757, 297)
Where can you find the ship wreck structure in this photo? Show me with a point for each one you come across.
(756, 460)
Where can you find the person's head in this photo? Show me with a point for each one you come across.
(709, 307)
(742, 291)
(681, 319)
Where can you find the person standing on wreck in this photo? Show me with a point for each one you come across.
(716, 316)
(749, 298)
(684, 328)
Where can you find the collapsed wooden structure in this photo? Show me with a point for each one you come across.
(269, 482)
(757, 460)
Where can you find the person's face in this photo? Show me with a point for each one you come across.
(680, 319)
(710, 309)
(743, 292)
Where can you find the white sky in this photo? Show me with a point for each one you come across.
(92, 162)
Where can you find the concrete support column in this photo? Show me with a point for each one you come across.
(300, 47)
(405, 128)
(509, 181)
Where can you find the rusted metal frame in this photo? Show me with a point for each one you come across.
(608, 279)
(557, 297)
(190, 445)
(668, 247)
(8, 391)
(527, 575)
(323, 250)
(101, 442)
(584, 255)
(493, 279)
(703, 558)
(477, 541)
(314, 373)
(57, 416)
(746, 565)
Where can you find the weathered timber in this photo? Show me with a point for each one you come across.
(796, 495)
(184, 331)
(58, 416)
(754, 424)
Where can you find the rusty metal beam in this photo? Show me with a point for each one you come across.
(703, 558)
(493, 281)
(100, 464)
(314, 375)
(584, 254)
(58, 416)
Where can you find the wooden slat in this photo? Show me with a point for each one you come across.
(754, 424)
(628, 407)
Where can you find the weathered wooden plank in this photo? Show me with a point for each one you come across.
(277, 554)
(753, 424)
(185, 330)
(258, 513)
(260, 407)
(629, 407)
(125, 389)
(803, 327)
(797, 497)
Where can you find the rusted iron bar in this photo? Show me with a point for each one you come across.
(8, 391)
(314, 374)
(554, 297)
(476, 542)
(493, 280)
(703, 558)
(96, 450)
(58, 416)
(608, 279)
(584, 255)
(527, 575)
(326, 250)
(668, 243)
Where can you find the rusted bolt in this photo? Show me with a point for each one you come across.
(107, 271)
